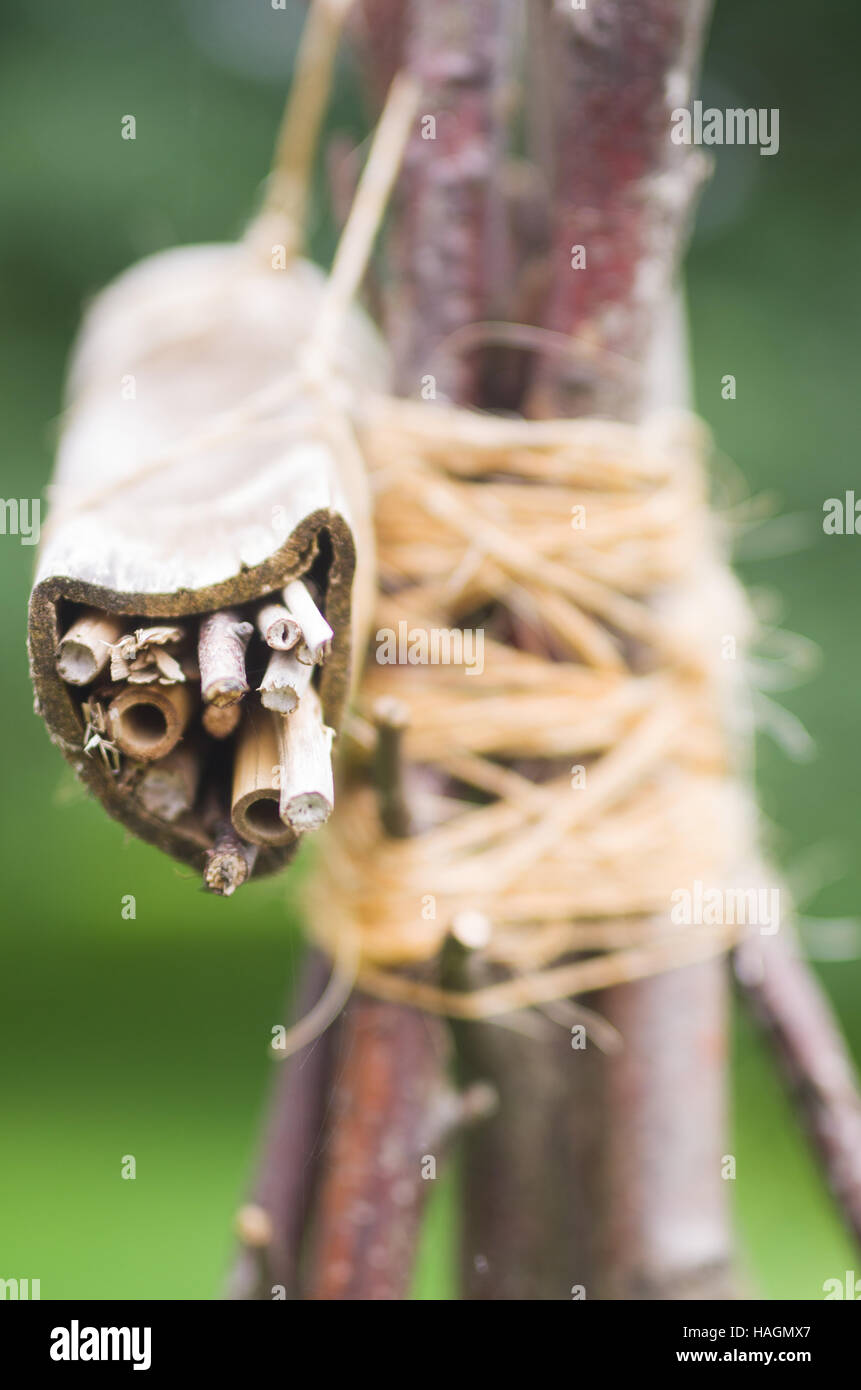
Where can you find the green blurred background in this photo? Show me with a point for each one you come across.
(148, 1036)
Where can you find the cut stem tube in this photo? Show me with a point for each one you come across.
(286, 680)
(307, 785)
(256, 777)
(84, 650)
(221, 655)
(147, 721)
(168, 788)
(316, 633)
(220, 721)
(277, 627)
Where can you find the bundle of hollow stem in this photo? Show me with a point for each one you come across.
(207, 568)
(220, 718)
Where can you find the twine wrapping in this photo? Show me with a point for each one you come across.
(574, 787)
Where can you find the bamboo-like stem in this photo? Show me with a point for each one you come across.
(168, 788)
(230, 862)
(220, 721)
(316, 633)
(794, 1012)
(278, 629)
(357, 239)
(221, 655)
(256, 780)
(285, 682)
(307, 783)
(85, 648)
(285, 207)
(147, 721)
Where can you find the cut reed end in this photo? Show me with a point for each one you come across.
(307, 811)
(284, 683)
(220, 721)
(84, 650)
(282, 701)
(307, 785)
(317, 635)
(256, 777)
(146, 722)
(77, 663)
(168, 788)
(256, 817)
(278, 629)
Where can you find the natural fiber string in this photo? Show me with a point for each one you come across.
(474, 515)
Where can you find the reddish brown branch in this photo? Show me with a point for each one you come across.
(393, 1090)
(622, 190)
(450, 234)
(794, 1012)
(287, 1168)
(663, 1214)
(624, 1174)
(391, 1104)
(379, 29)
(385, 1140)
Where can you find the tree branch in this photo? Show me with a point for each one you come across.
(388, 1105)
(796, 1017)
(394, 1085)
(622, 190)
(633, 1142)
(289, 1159)
(449, 236)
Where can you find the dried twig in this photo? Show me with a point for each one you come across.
(397, 1057)
(289, 1159)
(221, 653)
(622, 191)
(449, 205)
(385, 1105)
(391, 718)
(790, 1004)
(230, 862)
